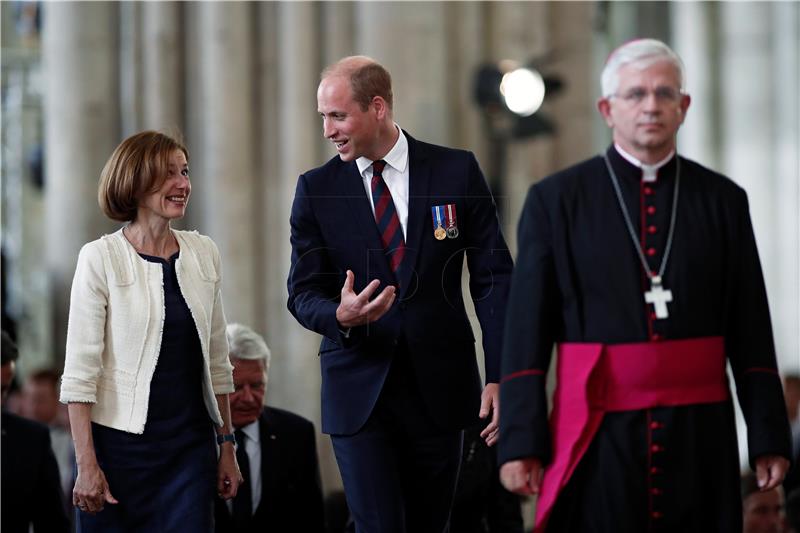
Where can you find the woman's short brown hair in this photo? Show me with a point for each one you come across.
(137, 166)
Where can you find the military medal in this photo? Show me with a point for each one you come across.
(439, 231)
(452, 228)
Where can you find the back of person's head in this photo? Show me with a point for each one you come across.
(45, 376)
(368, 79)
(40, 394)
(762, 511)
(641, 53)
(791, 391)
(137, 166)
(9, 349)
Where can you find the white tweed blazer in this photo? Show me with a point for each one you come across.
(116, 317)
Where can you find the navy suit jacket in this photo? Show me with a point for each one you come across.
(333, 230)
(31, 492)
(291, 491)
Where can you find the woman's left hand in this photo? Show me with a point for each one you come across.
(228, 475)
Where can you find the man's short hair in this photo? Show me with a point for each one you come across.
(137, 166)
(791, 379)
(49, 376)
(9, 349)
(246, 344)
(368, 79)
(641, 53)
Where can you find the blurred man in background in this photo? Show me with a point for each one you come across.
(40, 403)
(31, 495)
(762, 510)
(276, 451)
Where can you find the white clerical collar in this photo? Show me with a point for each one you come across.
(649, 172)
(251, 431)
(397, 158)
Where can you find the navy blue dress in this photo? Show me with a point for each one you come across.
(165, 478)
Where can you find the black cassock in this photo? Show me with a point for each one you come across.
(578, 279)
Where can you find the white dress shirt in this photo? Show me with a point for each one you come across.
(395, 175)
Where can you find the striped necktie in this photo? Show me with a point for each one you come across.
(386, 218)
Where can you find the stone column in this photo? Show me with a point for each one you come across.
(466, 48)
(338, 31)
(130, 67)
(694, 32)
(572, 109)
(81, 109)
(785, 19)
(297, 126)
(225, 179)
(27, 295)
(748, 115)
(163, 74)
(421, 88)
(520, 32)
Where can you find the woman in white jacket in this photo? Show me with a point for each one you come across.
(147, 373)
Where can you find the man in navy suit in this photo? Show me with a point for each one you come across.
(379, 235)
(31, 497)
(276, 451)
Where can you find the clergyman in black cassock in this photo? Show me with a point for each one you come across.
(674, 465)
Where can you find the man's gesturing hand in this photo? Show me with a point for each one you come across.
(356, 309)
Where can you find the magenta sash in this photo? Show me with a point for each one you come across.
(595, 378)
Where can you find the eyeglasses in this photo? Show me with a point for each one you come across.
(637, 95)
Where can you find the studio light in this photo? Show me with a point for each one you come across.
(523, 90)
(511, 95)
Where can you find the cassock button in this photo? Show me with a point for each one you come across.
(651, 252)
(652, 230)
(653, 315)
(651, 210)
(656, 425)
(655, 470)
(655, 491)
(657, 514)
(648, 190)
(655, 448)
(655, 337)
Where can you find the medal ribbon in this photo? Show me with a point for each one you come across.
(451, 215)
(437, 216)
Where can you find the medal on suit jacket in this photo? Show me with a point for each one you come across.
(450, 220)
(438, 231)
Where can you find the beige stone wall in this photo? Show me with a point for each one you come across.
(239, 79)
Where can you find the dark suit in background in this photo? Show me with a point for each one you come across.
(31, 492)
(291, 496)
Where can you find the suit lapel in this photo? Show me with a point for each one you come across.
(419, 178)
(270, 461)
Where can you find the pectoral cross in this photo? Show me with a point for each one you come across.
(658, 297)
